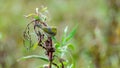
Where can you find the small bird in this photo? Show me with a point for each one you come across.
(50, 31)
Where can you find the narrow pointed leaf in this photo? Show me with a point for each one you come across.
(34, 56)
(65, 30)
(64, 35)
(44, 9)
(72, 33)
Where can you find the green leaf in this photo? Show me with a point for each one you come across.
(54, 39)
(72, 33)
(63, 50)
(34, 56)
(30, 15)
(65, 33)
(35, 46)
(71, 46)
(65, 30)
(44, 9)
(70, 66)
(58, 52)
(37, 17)
(57, 45)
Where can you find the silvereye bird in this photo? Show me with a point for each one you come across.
(51, 31)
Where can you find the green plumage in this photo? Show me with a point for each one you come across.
(51, 31)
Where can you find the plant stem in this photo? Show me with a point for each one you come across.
(50, 59)
(50, 52)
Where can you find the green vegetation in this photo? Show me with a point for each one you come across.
(93, 43)
(56, 52)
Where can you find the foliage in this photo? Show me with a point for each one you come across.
(45, 35)
(96, 42)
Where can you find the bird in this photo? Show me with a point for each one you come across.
(50, 31)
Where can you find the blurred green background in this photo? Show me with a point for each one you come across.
(97, 40)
